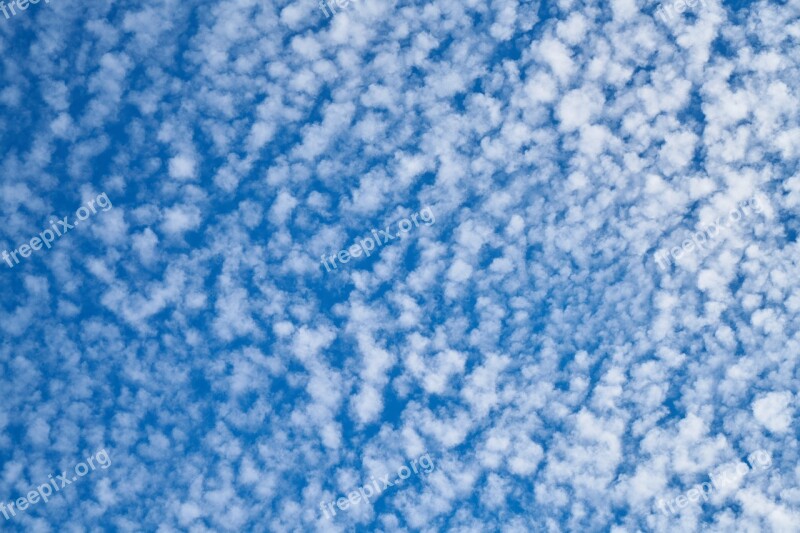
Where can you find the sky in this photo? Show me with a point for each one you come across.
(448, 265)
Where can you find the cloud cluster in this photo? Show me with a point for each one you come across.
(526, 340)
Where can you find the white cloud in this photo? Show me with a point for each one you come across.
(775, 411)
(183, 167)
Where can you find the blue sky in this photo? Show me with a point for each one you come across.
(523, 336)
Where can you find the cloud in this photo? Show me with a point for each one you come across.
(774, 411)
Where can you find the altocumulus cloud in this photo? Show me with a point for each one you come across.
(527, 341)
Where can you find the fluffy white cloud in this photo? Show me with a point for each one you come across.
(775, 411)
